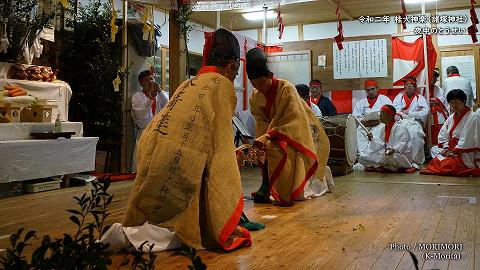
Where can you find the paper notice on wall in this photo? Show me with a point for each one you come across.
(465, 65)
(373, 58)
(346, 63)
(360, 59)
(322, 60)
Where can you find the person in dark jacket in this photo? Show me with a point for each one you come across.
(324, 103)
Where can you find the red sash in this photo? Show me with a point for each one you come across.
(271, 95)
(452, 142)
(207, 69)
(388, 130)
(309, 103)
(455, 75)
(408, 101)
(315, 100)
(372, 101)
(154, 105)
(439, 108)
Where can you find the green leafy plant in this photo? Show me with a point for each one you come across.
(182, 18)
(23, 20)
(182, 21)
(83, 250)
(89, 62)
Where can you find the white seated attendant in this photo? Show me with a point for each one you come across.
(451, 130)
(462, 158)
(469, 144)
(409, 103)
(390, 146)
(147, 102)
(145, 105)
(372, 103)
(367, 110)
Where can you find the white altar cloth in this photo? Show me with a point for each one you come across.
(31, 159)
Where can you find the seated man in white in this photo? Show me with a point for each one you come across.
(412, 106)
(462, 157)
(304, 92)
(147, 102)
(390, 146)
(371, 104)
(409, 103)
(469, 144)
(145, 105)
(367, 110)
(449, 134)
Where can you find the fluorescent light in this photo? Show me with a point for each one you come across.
(418, 1)
(255, 16)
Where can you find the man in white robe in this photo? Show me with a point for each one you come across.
(367, 110)
(147, 102)
(371, 104)
(469, 144)
(145, 105)
(390, 147)
(409, 104)
(464, 159)
(455, 81)
(451, 131)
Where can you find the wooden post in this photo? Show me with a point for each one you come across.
(126, 115)
(427, 87)
(177, 64)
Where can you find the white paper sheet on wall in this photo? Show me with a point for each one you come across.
(465, 65)
(360, 59)
(346, 63)
(373, 58)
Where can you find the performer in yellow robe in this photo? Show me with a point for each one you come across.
(188, 180)
(284, 124)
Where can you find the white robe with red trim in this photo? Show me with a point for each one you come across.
(418, 108)
(469, 142)
(373, 152)
(362, 107)
(444, 134)
(417, 136)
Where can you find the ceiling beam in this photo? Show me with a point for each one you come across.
(343, 11)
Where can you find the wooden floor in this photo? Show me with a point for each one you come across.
(351, 228)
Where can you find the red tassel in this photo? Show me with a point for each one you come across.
(472, 29)
(281, 26)
(404, 15)
(339, 38)
(473, 16)
(340, 46)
